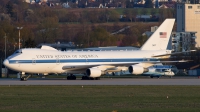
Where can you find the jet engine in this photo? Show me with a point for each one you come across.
(136, 69)
(93, 72)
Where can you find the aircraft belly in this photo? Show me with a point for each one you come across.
(14, 67)
(40, 68)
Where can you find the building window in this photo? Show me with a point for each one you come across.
(174, 41)
(189, 7)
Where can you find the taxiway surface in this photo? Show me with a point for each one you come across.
(103, 81)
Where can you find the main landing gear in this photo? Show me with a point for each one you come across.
(71, 77)
(85, 77)
(155, 76)
(90, 78)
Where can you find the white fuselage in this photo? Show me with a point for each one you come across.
(50, 61)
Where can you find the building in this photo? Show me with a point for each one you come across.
(30, 1)
(188, 19)
(183, 41)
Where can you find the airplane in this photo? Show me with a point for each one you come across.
(156, 70)
(161, 70)
(93, 64)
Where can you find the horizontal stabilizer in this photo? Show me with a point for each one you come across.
(173, 53)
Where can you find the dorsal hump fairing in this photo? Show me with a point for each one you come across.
(160, 38)
(48, 48)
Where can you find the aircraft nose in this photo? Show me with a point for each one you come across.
(5, 62)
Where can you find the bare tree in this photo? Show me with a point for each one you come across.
(48, 30)
(163, 14)
(128, 14)
(3, 6)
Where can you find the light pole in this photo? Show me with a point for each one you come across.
(19, 28)
(5, 45)
(6, 70)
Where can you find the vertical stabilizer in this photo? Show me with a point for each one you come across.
(160, 38)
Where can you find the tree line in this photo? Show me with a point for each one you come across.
(84, 27)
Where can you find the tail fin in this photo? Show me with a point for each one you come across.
(160, 38)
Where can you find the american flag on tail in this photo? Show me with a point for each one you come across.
(163, 34)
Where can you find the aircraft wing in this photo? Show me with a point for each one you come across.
(178, 61)
(113, 66)
(77, 67)
(86, 66)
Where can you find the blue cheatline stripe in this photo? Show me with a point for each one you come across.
(81, 60)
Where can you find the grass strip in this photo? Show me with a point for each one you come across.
(99, 98)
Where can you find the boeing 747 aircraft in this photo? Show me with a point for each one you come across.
(92, 64)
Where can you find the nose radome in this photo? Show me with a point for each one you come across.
(5, 62)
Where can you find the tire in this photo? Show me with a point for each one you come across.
(91, 78)
(83, 78)
(68, 78)
(74, 77)
(97, 78)
(23, 79)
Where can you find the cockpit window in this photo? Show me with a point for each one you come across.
(18, 51)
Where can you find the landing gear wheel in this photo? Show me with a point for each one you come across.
(23, 78)
(97, 78)
(113, 73)
(85, 78)
(90, 78)
(74, 77)
(151, 76)
(71, 77)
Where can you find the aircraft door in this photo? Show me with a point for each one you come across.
(33, 61)
(18, 63)
(57, 61)
(86, 61)
(144, 59)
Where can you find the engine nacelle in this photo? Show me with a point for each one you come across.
(136, 69)
(93, 72)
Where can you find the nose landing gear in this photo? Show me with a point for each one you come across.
(23, 77)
